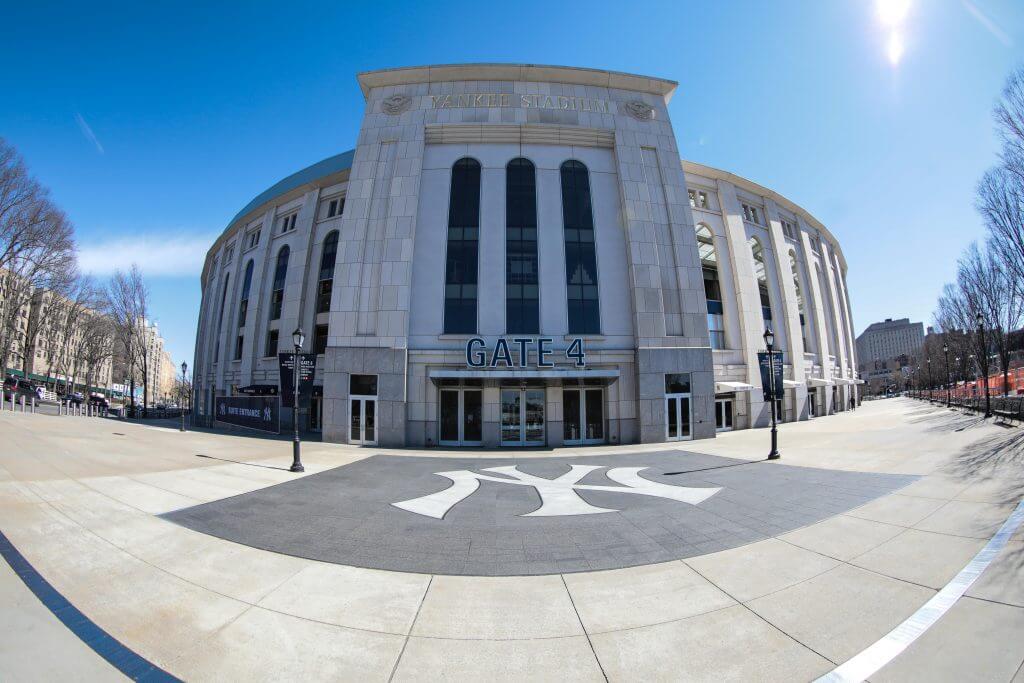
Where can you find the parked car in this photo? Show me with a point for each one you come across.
(75, 397)
(99, 400)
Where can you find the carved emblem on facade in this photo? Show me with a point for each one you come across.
(639, 110)
(396, 104)
(558, 496)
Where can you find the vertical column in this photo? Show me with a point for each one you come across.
(837, 322)
(790, 307)
(748, 300)
(815, 301)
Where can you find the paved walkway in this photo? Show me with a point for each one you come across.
(82, 498)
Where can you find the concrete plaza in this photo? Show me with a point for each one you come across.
(93, 506)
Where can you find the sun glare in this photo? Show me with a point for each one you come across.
(894, 49)
(892, 12)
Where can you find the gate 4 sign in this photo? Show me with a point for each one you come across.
(525, 349)
(558, 496)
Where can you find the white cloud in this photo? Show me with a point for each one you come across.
(157, 254)
(87, 132)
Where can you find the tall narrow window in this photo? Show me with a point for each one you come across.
(243, 304)
(277, 293)
(799, 299)
(761, 274)
(522, 305)
(580, 252)
(460, 278)
(326, 282)
(220, 317)
(712, 286)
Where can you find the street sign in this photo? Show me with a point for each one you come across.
(307, 367)
(766, 385)
(261, 413)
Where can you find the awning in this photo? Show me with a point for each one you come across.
(859, 381)
(818, 382)
(844, 381)
(791, 384)
(726, 387)
(522, 373)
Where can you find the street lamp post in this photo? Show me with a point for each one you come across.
(984, 368)
(297, 339)
(181, 397)
(945, 352)
(931, 384)
(769, 342)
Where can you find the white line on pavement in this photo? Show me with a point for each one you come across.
(883, 651)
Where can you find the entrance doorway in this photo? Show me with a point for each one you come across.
(462, 417)
(522, 417)
(363, 420)
(316, 413)
(677, 417)
(723, 414)
(583, 415)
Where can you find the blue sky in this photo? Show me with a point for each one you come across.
(153, 124)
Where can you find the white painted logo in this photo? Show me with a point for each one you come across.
(557, 496)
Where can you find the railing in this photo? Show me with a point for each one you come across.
(1007, 408)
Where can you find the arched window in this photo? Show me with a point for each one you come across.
(243, 304)
(580, 252)
(712, 286)
(326, 283)
(799, 300)
(462, 256)
(761, 274)
(522, 302)
(220, 317)
(277, 293)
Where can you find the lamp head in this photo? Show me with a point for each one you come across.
(298, 337)
(769, 337)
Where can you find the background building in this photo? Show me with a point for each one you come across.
(515, 255)
(887, 352)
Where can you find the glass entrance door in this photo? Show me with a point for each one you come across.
(461, 417)
(522, 417)
(583, 415)
(677, 417)
(723, 415)
(362, 420)
(316, 412)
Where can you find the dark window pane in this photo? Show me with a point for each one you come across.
(462, 248)
(328, 256)
(238, 347)
(277, 293)
(677, 383)
(522, 308)
(271, 349)
(362, 385)
(580, 255)
(243, 306)
(320, 339)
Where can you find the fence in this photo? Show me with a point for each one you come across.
(1008, 408)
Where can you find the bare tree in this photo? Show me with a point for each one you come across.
(992, 290)
(128, 307)
(36, 250)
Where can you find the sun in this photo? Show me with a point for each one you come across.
(892, 14)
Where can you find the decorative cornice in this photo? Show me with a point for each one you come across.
(516, 72)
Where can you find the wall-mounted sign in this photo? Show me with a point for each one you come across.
(261, 413)
(521, 352)
(492, 100)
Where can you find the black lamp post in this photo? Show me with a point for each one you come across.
(945, 352)
(769, 342)
(297, 339)
(181, 403)
(931, 384)
(984, 367)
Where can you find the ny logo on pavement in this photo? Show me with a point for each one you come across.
(557, 496)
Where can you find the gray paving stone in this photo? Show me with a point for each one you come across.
(346, 516)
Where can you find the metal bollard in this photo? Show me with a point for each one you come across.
(23, 403)
(33, 405)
